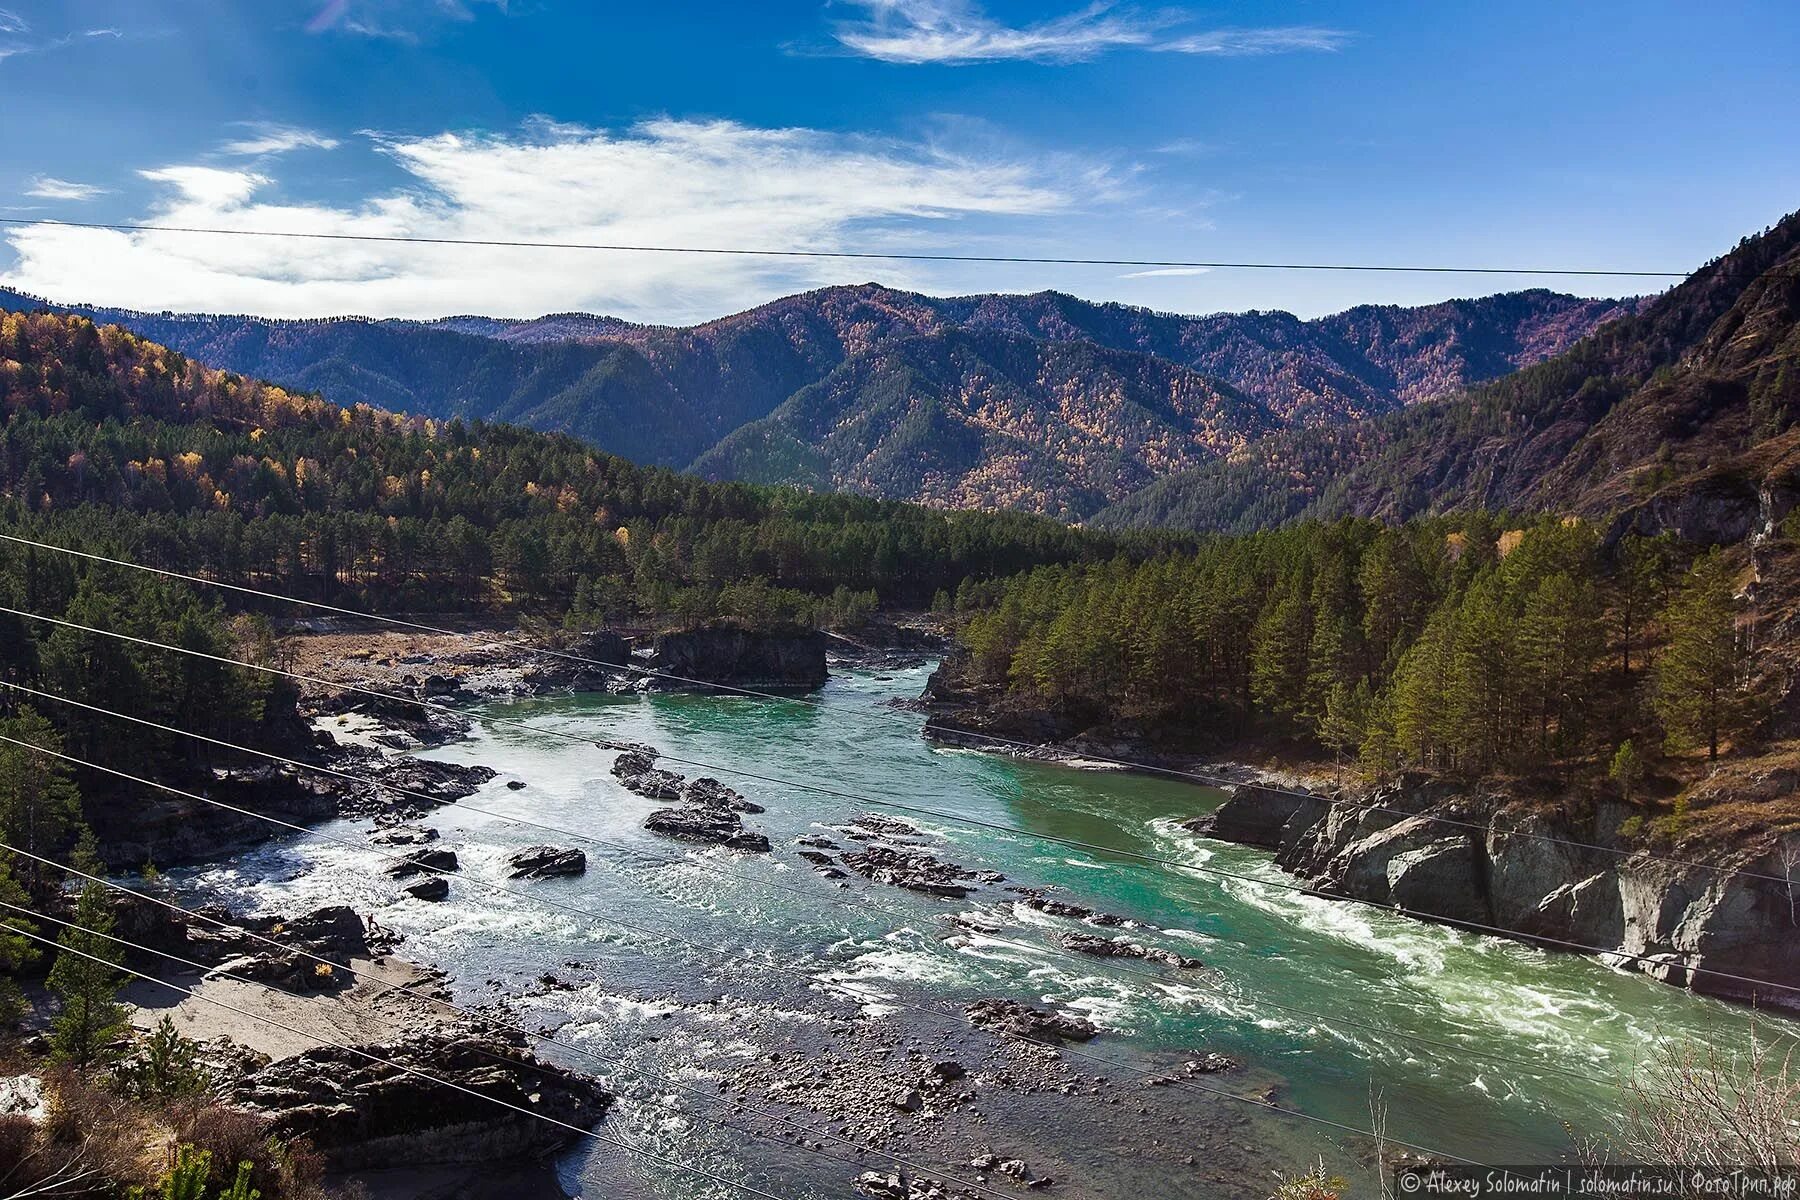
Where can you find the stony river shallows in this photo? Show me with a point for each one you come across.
(1325, 1003)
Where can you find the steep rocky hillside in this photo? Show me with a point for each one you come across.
(1676, 417)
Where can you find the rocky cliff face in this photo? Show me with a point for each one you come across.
(1446, 853)
(766, 660)
(379, 1106)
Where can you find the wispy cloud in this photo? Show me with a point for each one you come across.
(1166, 272)
(1237, 43)
(663, 182)
(49, 187)
(390, 20)
(267, 138)
(958, 32)
(15, 27)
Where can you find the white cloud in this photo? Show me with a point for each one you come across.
(1163, 272)
(12, 22)
(266, 138)
(1238, 43)
(48, 187)
(956, 32)
(665, 182)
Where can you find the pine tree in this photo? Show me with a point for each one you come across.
(40, 808)
(1279, 655)
(1702, 696)
(86, 979)
(16, 950)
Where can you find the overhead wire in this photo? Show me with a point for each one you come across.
(1612, 952)
(716, 952)
(872, 255)
(863, 902)
(1211, 779)
(266, 1019)
(483, 1017)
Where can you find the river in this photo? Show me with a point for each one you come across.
(1328, 1002)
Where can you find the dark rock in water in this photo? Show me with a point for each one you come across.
(817, 841)
(359, 1112)
(434, 887)
(910, 869)
(1253, 816)
(712, 793)
(654, 784)
(1088, 943)
(880, 826)
(404, 835)
(816, 857)
(1014, 1019)
(515, 785)
(634, 759)
(434, 859)
(715, 826)
(422, 783)
(1209, 1064)
(541, 862)
(790, 659)
(1041, 900)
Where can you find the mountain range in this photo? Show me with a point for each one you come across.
(1677, 417)
(1039, 402)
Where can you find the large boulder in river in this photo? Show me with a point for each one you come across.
(1015, 1019)
(784, 659)
(368, 1108)
(432, 860)
(542, 862)
(1255, 816)
(713, 826)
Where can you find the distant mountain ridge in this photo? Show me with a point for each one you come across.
(1043, 402)
(1679, 417)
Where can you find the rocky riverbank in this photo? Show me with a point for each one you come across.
(1550, 870)
(1561, 877)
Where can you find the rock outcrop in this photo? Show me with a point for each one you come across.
(1441, 852)
(710, 813)
(1015, 1019)
(786, 660)
(542, 862)
(403, 1102)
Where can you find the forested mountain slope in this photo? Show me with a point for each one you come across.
(665, 396)
(113, 439)
(1681, 411)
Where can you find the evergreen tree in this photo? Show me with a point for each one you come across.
(40, 809)
(86, 979)
(1702, 696)
(16, 950)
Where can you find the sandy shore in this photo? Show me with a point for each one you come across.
(370, 1010)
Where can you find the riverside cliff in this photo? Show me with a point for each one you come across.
(1447, 853)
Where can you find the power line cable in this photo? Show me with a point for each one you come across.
(265, 1019)
(746, 252)
(954, 818)
(1206, 778)
(388, 988)
(862, 901)
(716, 952)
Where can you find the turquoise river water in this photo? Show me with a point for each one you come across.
(1410, 1012)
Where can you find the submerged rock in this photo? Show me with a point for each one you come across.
(1099, 947)
(358, 1112)
(1015, 1019)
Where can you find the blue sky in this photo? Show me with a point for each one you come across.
(1645, 135)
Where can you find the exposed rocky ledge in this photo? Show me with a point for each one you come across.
(1518, 869)
(1015, 1019)
(361, 1113)
(710, 811)
(767, 660)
